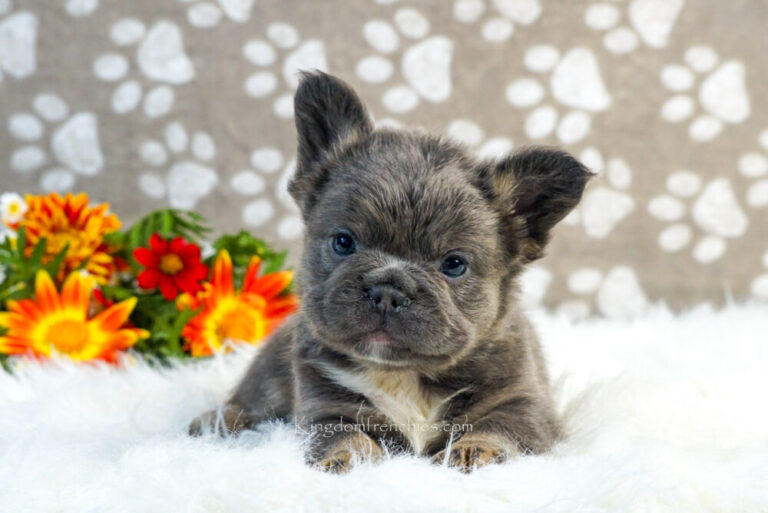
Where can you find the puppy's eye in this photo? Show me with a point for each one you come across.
(453, 266)
(343, 244)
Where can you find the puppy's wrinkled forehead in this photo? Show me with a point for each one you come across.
(405, 194)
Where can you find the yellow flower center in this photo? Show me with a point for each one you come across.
(67, 335)
(14, 208)
(241, 323)
(56, 241)
(171, 264)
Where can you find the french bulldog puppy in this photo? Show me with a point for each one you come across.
(410, 334)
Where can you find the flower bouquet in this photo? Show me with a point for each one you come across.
(74, 284)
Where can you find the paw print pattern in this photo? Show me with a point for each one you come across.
(81, 8)
(290, 226)
(500, 25)
(251, 182)
(617, 294)
(73, 148)
(574, 82)
(651, 20)
(722, 93)
(189, 176)
(469, 133)
(18, 42)
(294, 55)
(714, 211)
(606, 202)
(425, 64)
(759, 285)
(203, 14)
(534, 284)
(754, 165)
(160, 59)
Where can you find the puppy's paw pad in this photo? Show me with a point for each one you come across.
(202, 423)
(229, 420)
(340, 462)
(467, 456)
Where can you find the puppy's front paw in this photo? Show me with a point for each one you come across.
(340, 462)
(197, 426)
(342, 456)
(466, 455)
(228, 420)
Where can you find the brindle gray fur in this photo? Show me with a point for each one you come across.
(409, 200)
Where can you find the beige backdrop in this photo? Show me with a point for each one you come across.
(148, 103)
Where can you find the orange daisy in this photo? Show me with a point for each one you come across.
(69, 220)
(53, 323)
(245, 316)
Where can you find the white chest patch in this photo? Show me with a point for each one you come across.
(400, 396)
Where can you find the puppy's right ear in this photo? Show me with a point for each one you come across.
(328, 113)
(533, 190)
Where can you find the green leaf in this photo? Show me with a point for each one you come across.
(166, 223)
(115, 239)
(21, 242)
(242, 246)
(54, 265)
(276, 262)
(116, 292)
(38, 252)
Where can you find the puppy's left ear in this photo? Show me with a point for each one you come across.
(534, 190)
(328, 114)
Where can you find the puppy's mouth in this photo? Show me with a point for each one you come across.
(380, 337)
(379, 346)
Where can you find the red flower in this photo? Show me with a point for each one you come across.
(173, 266)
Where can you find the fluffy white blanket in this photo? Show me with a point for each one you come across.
(664, 414)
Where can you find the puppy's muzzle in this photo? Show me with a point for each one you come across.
(387, 299)
(389, 289)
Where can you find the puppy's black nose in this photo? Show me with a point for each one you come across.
(387, 299)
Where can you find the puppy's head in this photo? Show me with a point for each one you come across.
(412, 246)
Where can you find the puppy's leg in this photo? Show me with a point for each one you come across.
(337, 453)
(337, 419)
(475, 450)
(264, 393)
(233, 420)
(519, 425)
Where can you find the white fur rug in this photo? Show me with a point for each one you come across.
(665, 414)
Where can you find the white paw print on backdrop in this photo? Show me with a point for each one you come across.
(425, 64)
(574, 81)
(606, 202)
(160, 58)
(500, 26)
(203, 14)
(715, 211)
(80, 8)
(652, 20)
(189, 175)
(469, 133)
(18, 42)
(265, 162)
(290, 226)
(754, 165)
(722, 94)
(294, 55)
(617, 294)
(74, 143)
(534, 283)
(759, 285)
